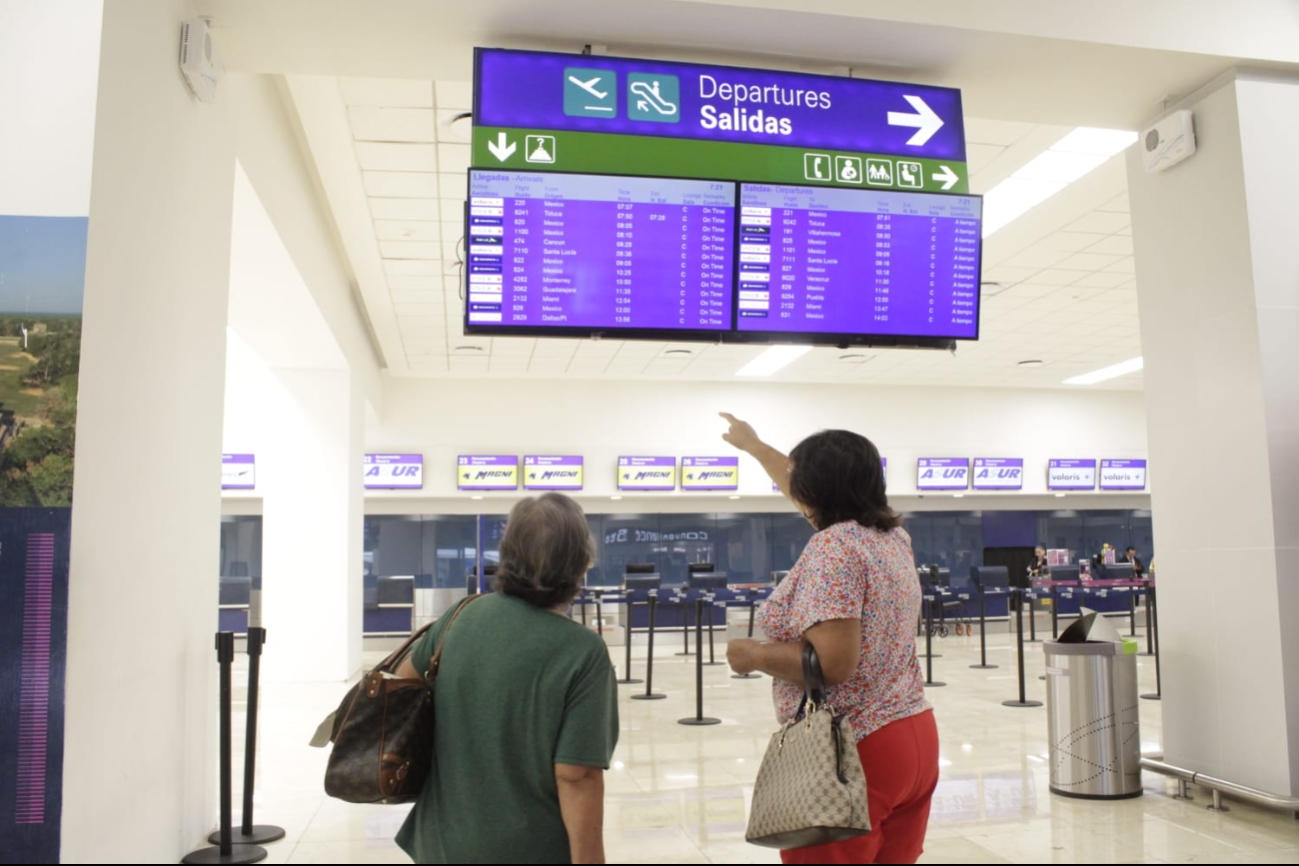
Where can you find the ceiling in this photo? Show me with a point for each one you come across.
(374, 87)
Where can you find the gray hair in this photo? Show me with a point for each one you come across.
(546, 551)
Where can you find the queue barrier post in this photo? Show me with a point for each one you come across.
(699, 718)
(1019, 639)
(627, 678)
(650, 694)
(226, 851)
(1158, 694)
(682, 599)
(1150, 631)
(753, 606)
(983, 634)
(713, 603)
(929, 644)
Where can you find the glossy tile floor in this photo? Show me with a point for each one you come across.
(679, 794)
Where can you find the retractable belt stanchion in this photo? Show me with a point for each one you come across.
(683, 603)
(983, 635)
(1032, 617)
(582, 601)
(248, 832)
(1154, 623)
(1056, 598)
(650, 694)
(1019, 639)
(599, 613)
(699, 718)
(713, 604)
(1132, 612)
(753, 606)
(627, 679)
(226, 851)
(929, 644)
(1150, 631)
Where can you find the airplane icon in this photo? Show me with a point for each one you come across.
(589, 86)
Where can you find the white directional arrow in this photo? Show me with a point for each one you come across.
(946, 176)
(924, 120)
(502, 148)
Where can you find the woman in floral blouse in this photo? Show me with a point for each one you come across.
(853, 595)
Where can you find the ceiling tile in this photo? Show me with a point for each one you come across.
(410, 249)
(977, 156)
(391, 124)
(386, 156)
(1037, 257)
(420, 309)
(1126, 265)
(455, 94)
(454, 158)
(1087, 262)
(513, 346)
(407, 230)
(1118, 245)
(1101, 280)
(453, 186)
(1118, 204)
(1070, 242)
(399, 267)
(452, 210)
(415, 282)
(1002, 132)
(452, 130)
(404, 208)
(1101, 223)
(387, 92)
(400, 184)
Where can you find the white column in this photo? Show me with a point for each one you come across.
(139, 765)
(309, 471)
(1218, 287)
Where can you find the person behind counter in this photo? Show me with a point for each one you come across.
(1038, 567)
(1138, 569)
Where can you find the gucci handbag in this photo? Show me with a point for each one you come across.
(383, 730)
(811, 789)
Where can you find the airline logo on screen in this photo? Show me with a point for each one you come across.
(1071, 475)
(1123, 475)
(647, 473)
(488, 473)
(942, 473)
(998, 473)
(552, 473)
(394, 471)
(710, 473)
(238, 472)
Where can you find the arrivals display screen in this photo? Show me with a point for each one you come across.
(856, 262)
(579, 254)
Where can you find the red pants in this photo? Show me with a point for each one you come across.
(901, 764)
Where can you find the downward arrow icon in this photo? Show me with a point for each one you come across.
(924, 120)
(502, 148)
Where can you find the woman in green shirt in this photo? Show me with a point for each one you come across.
(526, 714)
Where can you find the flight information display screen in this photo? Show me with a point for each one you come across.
(573, 253)
(855, 262)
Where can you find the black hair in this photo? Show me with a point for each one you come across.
(838, 476)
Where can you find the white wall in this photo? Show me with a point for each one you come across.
(1217, 271)
(49, 63)
(602, 420)
(139, 770)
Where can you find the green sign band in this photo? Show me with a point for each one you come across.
(600, 153)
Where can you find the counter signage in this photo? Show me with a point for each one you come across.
(567, 112)
(710, 473)
(1071, 475)
(647, 473)
(998, 473)
(488, 473)
(1123, 475)
(238, 472)
(942, 473)
(552, 473)
(394, 471)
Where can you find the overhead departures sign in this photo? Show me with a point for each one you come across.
(647, 473)
(575, 113)
(488, 473)
(710, 473)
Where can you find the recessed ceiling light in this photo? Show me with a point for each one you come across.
(854, 358)
(735, 497)
(475, 497)
(992, 287)
(1033, 363)
(679, 352)
(1059, 496)
(1106, 373)
(615, 497)
(775, 358)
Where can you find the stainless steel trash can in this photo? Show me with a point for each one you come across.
(1092, 719)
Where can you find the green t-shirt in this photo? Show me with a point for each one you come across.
(520, 689)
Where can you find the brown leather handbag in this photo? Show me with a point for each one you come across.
(383, 730)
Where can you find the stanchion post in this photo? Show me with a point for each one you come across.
(699, 718)
(1032, 619)
(1055, 614)
(983, 635)
(1019, 639)
(683, 604)
(627, 678)
(929, 644)
(1132, 611)
(753, 605)
(1150, 631)
(1154, 623)
(225, 851)
(650, 694)
(712, 605)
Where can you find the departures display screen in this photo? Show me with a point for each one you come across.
(847, 261)
(597, 252)
(555, 254)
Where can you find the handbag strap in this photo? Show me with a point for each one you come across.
(813, 680)
(435, 661)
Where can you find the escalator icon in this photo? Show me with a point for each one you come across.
(653, 97)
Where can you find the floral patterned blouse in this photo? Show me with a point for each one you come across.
(851, 572)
